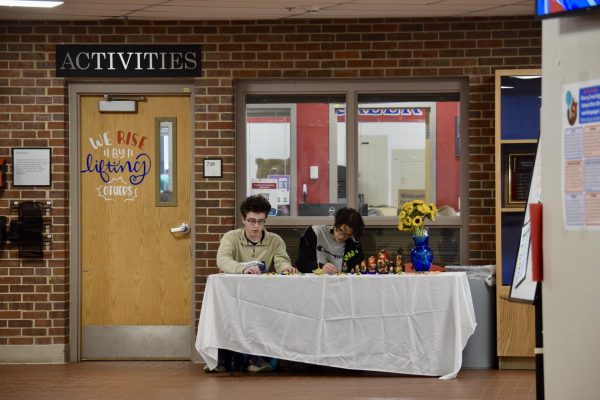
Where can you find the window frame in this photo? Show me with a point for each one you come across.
(351, 89)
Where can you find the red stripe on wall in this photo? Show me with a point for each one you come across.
(447, 180)
(313, 149)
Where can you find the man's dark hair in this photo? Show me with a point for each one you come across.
(350, 217)
(256, 204)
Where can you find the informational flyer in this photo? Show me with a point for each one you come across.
(581, 155)
(268, 189)
(31, 167)
(283, 193)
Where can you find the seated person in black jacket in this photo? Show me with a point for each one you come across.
(335, 248)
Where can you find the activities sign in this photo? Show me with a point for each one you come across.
(116, 61)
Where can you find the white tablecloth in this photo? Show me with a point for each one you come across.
(409, 324)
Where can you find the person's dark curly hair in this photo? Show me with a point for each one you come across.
(350, 217)
(256, 204)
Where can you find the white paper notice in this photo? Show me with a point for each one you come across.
(574, 208)
(592, 209)
(31, 167)
(268, 189)
(573, 176)
(581, 155)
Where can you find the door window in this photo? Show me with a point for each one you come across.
(166, 145)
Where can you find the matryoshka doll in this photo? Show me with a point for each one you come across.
(372, 265)
(383, 255)
(363, 267)
(399, 267)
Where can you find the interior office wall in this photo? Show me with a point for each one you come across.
(571, 267)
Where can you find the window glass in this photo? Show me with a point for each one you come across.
(314, 146)
(166, 157)
(444, 241)
(407, 150)
(296, 154)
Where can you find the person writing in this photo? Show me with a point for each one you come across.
(245, 251)
(240, 248)
(332, 248)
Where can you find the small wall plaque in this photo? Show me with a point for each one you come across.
(213, 167)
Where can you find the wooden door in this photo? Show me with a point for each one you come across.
(135, 180)
(409, 172)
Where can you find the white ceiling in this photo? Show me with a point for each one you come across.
(267, 9)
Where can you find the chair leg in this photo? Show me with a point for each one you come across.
(232, 365)
(236, 362)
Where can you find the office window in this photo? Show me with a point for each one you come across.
(312, 147)
(295, 153)
(416, 147)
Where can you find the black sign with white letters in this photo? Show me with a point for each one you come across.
(157, 61)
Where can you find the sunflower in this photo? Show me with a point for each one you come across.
(413, 214)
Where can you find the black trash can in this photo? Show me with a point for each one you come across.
(480, 351)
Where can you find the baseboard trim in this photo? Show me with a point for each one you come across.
(516, 362)
(33, 354)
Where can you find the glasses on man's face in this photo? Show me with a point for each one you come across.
(253, 221)
(343, 233)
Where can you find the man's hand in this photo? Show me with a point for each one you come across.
(290, 269)
(252, 270)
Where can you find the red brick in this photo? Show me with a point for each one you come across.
(9, 332)
(20, 340)
(20, 323)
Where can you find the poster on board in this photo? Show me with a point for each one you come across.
(523, 286)
(581, 155)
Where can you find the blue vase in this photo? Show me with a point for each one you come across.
(421, 255)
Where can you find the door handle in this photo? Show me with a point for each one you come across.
(183, 228)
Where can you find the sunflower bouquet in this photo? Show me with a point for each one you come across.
(413, 214)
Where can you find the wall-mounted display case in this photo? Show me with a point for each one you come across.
(518, 102)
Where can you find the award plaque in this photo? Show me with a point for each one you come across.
(519, 169)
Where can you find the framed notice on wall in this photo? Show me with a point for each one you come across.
(31, 166)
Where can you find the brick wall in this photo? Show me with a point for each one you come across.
(34, 294)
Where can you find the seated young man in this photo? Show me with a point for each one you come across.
(252, 242)
(330, 246)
